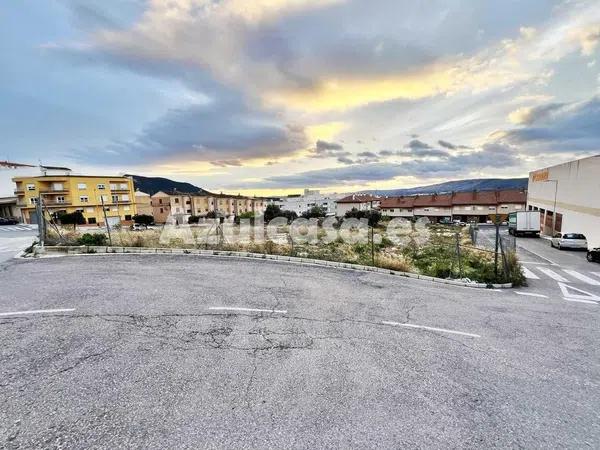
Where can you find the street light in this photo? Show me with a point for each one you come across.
(554, 208)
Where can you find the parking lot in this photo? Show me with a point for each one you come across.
(183, 351)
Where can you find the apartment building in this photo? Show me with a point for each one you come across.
(476, 206)
(360, 202)
(179, 206)
(143, 205)
(67, 193)
(300, 203)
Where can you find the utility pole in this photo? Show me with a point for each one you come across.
(497, 245)
(372, 238)
(106, 220)
(39, 210)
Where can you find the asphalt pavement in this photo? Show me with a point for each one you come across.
(552, 273)
(15, 238)
(159, 351)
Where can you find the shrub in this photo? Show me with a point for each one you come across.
(371, 215)
(92, 239)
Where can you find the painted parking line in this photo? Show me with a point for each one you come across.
(232, 308)
(529, 274)
(552, 274)
(582, 277)
(531, 294)
(36, 311)
(423, 327)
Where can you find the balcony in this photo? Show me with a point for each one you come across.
(19, 192)
(52, 191)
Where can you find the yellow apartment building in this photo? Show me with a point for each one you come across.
(69, 193)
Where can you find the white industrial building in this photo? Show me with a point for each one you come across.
(567, 195)
(300, 203)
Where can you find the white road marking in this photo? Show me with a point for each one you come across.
(596, 273)
(531, 294)
(423, 327)
(585, 298)
(582, 277)
(552, 274)
(529, 274)
(38, 311)
(231, 308)
(535, 263)
(591, 302)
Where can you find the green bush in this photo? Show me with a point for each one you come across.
(92, 239)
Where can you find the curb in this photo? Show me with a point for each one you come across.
(97, 251)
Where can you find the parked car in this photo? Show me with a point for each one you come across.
(576, 241)
(593, 255)
(8, 221)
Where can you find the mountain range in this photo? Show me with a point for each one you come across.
(151, 185)
(477, 184)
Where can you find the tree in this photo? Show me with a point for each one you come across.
(75, 218)
(245, 215)
(272, 211)
(143, 219)
(372, 215)
(316, 212)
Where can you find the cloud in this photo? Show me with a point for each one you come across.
(225, 133)
(527, 115)
(557, 128)
(416, 144)
(325, 149)
(451, 146)
(496, 156)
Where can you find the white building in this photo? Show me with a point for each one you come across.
(10, 170)
(570, 191)
(360, 202)
(304, 202)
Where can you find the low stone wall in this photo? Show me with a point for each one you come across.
(95, 250)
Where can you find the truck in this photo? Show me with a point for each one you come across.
(524, 223)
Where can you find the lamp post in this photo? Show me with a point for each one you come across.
(554, 207)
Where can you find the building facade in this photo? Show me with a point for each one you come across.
(305, 202)
(179, 206)
(360, 202)
(143, 205)
(477, 206)
(100, 199)
(567, 197)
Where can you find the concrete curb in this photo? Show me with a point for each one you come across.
(97, 251)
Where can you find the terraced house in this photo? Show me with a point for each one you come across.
(101, 199)
(179, 206)
(476, 206)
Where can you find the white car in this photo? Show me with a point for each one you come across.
(569, 240)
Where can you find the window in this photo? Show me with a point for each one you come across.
(114, 208)
(123, 186)
(81, 186)
(33, 200)
(90, 210)
(60, 199)
(160, 201)
(125, 198)
(126, 208)
(162, 210)
(91, 220)
(84, 199)
(58, 187)
(176, 200)
(104, 198)
(101, 186)
(517, 206)
(115, 199)
(31, 187)
(114, 187)
(127, 216)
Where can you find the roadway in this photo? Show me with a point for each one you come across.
(553, 273)
(15, 238)
(181, 351)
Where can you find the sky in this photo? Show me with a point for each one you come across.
(273, 96)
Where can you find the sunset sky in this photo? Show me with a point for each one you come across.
(265, 96)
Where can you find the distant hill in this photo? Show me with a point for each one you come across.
(479, 184)
(151, 185)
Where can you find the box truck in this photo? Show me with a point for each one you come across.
(524, 223)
